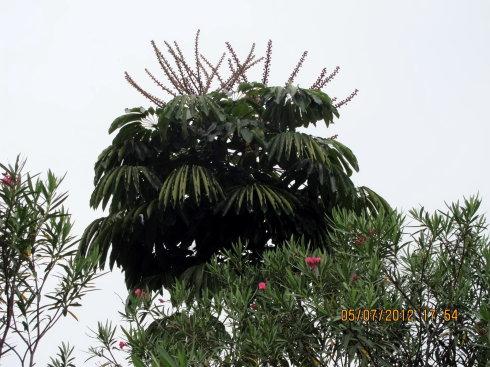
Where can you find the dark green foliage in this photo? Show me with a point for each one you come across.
(186, 180)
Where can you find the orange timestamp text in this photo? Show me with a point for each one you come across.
(396, 315)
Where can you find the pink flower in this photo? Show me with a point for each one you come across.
(253, 306)
(138, 292)
(122, 344)
(313, 261)
(262, 286)
(7, 180)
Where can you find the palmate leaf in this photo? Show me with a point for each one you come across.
(135, 114)
(122, 179)
(133, 141)
(327, 182)
(187, 110)
(260, 197)
(94, 241)
(190, 181)
(298, 145)
(188, 107)
(105, 232)
(371, 201)
(318, 155)
(293, 107)
(340, 155)
(132, 131)
(106, 160)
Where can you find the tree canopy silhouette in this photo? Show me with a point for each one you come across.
(215, 164)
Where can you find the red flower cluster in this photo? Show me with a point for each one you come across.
(313, 261)
(7, 180)
(122, 344)
(360, 240)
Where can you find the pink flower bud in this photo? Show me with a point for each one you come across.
(253, 306)
(138, 292)
(122, 344)
(262, 286)
(313, 261)
(7, 180)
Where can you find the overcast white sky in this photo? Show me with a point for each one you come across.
(419, 126)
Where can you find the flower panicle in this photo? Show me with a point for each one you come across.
(328, 79)
(198, 62)
(267, 63)
(297, 67)
(149, 96)
(347, 100)
(316, 84)
(196, 78)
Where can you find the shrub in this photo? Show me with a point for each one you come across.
(299, 307)
(41, 279)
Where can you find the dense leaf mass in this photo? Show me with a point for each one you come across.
(190, 178)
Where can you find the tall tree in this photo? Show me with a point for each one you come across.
(215, 164)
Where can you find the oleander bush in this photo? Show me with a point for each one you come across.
(299, 306)
(41, 278)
